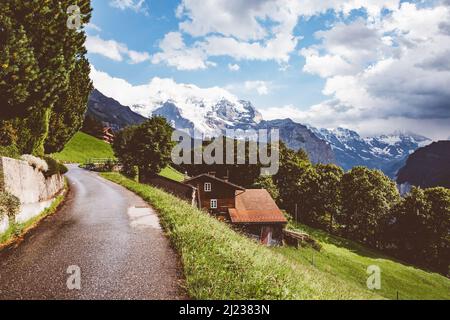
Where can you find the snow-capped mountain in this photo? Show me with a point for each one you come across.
(210, 119)
(212, 110)
(385, 152)
(209, 110)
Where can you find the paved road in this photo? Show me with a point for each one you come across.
(109, 233)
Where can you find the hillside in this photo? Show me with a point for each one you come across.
(220, 263)
(428, 166)
(111, 112)
(230, 266)
(83, 147)
(349, 261)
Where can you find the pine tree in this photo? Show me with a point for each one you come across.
(18, 66)
(42, 64)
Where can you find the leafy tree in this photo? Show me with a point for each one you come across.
(367, 198)
(266, 182)
(147, 146)
(92, 127)
(439, 228)
(328, 198)
(241, 174)
(421, 228)
(292, 165)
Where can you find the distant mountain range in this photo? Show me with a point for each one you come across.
(212, 114)
(385, 152)
(428, 166)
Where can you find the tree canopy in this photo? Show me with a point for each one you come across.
(44, 75)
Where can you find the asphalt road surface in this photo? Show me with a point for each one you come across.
(104, 243)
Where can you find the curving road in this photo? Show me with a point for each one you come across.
(109, 233)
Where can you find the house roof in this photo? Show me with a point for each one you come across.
(235, 186)
(256, 206)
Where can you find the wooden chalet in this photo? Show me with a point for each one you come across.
(251, 210)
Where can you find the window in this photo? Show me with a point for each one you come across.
(213, 203)
(207, 186)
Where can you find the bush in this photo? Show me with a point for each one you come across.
(9, 205)
(54, 167)
(35, 162)
(10, 151)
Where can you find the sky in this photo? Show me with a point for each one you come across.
(375, 66)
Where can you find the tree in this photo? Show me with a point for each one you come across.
(439, 228)
(328, 200)
(92, 127)
(367, 198)
(70, 107)
(292, 166)
(18, 66)
(69, 111)
(420, 232)
(266, 182)
(43, 53)
(147, 146)
(244, 175)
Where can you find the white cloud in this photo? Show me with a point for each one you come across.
(114, 50)
(93, 26)
(233, 67)
(175, 53)
(253, 29)
(394, 70)
(136, 5)
(261, 87)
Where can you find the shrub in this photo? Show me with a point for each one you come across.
(9, 205)
(35, 162)
(54, 167)
(10, 151)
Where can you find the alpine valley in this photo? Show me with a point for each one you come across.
(211, 112)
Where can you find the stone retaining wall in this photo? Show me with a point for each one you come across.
(34, 191)
(28, 184)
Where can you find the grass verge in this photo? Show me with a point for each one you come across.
(17, 230)
(219, 263)
(349, 261)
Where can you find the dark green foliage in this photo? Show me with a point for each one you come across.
(92, 127)
(244, 175)
(44, 76)
(421, 227)
(367, 198)
(266, 182)
(293, 166)
(328, 198)
(9, 205)
(10, 151)
(147, 146)
(54, 167)
(18, 66)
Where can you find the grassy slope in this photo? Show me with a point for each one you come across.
(83, 147)
(222, 264)
(172, 173)
(349, 261)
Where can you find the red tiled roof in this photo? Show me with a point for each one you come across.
(255, 206)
